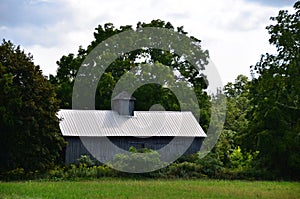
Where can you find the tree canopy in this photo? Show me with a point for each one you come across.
(274, 127)
(29, 129)
(147, 95)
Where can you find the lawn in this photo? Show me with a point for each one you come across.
(118, 188)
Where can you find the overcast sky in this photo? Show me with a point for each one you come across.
(232, 30)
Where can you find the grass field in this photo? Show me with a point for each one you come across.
(115, 188)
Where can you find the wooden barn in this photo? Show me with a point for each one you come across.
(94, 132)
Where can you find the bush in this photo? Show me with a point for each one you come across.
(246, 174)
(185, 170)
(210, 164)
(86, 160)
(144, 160)
(15, 174)
(239, 160)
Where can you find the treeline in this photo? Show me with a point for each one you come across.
(261, 134)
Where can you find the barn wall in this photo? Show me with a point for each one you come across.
(75, 147)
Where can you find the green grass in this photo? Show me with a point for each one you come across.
(116, 188)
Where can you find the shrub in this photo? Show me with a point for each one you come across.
(182, 170)
(144, 160)
(210, 165)
(240, 160)
(86, 160)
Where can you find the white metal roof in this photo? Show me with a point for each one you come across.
(143, 123)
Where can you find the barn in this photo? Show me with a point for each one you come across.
(94, 132)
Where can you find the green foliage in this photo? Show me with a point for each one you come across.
(137, 160)
(149, 94)
(187, 170)
(86, 160)
(191, 167)
(211, 164)
(15, 174)
(241, 160)
(236, 123)
(274, 96)
(29, 129)
(238, 104)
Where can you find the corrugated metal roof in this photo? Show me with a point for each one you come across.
(143, 124)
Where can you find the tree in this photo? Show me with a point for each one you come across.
(236, 123)
(29, 128)
(275, 99)
(238, 104)
(149, 94)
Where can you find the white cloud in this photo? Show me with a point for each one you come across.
(47, 57)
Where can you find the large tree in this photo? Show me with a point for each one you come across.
(29, 128)
(147, 95)
(274, 127)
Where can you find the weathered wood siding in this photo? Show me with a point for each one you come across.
(75, 147)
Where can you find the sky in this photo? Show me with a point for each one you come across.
(233, 31)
